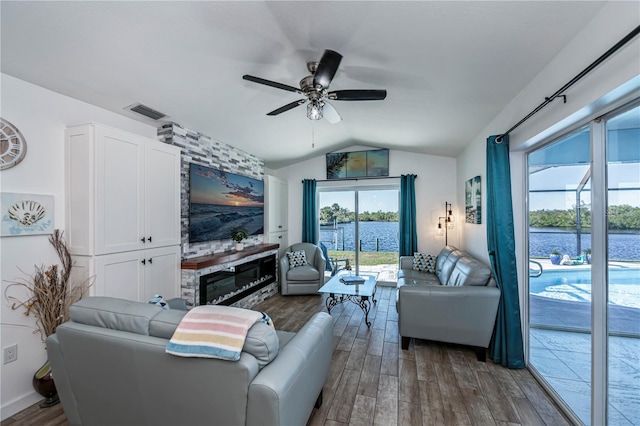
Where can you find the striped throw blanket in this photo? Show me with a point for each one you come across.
(212, 331)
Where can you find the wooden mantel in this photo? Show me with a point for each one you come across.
(225, 257)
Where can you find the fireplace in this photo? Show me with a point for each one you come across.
(233, 283)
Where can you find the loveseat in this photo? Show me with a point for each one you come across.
(456, 302)
(110, 368)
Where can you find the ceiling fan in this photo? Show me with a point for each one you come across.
(315, 88)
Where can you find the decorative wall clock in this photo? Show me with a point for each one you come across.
(13, 146)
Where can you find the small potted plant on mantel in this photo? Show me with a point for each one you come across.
(555, 257)
(238, 235)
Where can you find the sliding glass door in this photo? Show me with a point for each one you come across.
(361, 226)
(622, 133)
(584, 302)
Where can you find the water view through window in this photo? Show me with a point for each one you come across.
(361, 226)
(584, 280)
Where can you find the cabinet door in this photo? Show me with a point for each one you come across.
(120, 275)
(279, 238)
(162, 272)
(162, 194)
(119, 209)
(283, 205)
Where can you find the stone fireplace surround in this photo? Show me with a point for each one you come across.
(193, 269)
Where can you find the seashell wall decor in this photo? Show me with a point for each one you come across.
(25, 214)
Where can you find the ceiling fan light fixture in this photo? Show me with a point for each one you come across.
(314, 110)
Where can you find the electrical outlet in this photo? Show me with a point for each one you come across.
(10, 354)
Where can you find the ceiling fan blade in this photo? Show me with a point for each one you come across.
(271, 83)
(327, 68)
(287, 107)
(330, 113)
(358, 95)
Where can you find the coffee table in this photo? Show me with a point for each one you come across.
(360, 294)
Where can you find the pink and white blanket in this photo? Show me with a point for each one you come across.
(213, 331)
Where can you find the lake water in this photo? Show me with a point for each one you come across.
(622, 246)
(343, 238)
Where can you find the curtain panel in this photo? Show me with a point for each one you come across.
(408, 239)
(309, 212)
(506, 345)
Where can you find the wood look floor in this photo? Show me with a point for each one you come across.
(373, 382)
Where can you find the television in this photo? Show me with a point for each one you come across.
(221, 201)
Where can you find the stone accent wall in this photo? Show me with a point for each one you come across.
(201, 149)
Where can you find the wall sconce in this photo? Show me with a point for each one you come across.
(448, 218)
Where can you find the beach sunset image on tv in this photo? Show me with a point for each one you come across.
(222, 201)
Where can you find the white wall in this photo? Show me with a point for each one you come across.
(435, 185)
(41, 116)
(596, 92)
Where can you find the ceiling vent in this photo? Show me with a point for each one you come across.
(146, 111)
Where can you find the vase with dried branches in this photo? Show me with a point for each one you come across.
(49, 296)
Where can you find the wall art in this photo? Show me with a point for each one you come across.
(473, 201)
(358, 164)
(26, 214)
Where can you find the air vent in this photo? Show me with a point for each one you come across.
(146, 111)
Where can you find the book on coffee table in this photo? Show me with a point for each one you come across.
(352, 279)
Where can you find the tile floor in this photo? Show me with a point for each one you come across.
(564, 360)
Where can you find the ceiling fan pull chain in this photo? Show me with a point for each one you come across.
(313, 134)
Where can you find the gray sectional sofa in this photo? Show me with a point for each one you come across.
(110, 368)
(457, 303)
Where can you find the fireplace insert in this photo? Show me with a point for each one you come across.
(237, 282)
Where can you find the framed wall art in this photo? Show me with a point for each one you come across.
(26, 214)
(358, 164)
(473, 200)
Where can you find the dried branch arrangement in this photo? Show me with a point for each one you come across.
(51, 294)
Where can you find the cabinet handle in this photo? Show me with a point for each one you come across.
(280, 237)
(279, 226)
(142, 239)
(151, 260)
(149, 239)
(144, 262)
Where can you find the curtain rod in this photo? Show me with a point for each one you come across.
(574, 80)
(362, 178)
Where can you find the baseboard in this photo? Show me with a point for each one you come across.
(19, 404)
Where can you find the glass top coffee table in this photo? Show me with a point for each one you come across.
(360, 294)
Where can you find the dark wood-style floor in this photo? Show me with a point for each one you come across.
(373, 382)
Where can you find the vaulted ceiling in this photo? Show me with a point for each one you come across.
(448, 66)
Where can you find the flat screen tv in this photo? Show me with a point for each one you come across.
(221, 201)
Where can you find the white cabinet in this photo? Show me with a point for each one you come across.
(133, 275)
(279, 238)
(276, 213)
(123, 212)
(123, 191)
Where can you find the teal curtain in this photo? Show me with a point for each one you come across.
(408, 240)
(309, 212)
(506, 345)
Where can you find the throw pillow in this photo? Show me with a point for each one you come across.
(424, 262)
(158, 300)
(297, 258)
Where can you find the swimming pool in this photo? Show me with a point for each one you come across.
(575, 286)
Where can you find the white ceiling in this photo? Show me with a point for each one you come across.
(449, 67)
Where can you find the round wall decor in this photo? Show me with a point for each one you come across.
(13, 146)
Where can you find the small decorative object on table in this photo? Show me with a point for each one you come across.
(238, 235)
(352, 280)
